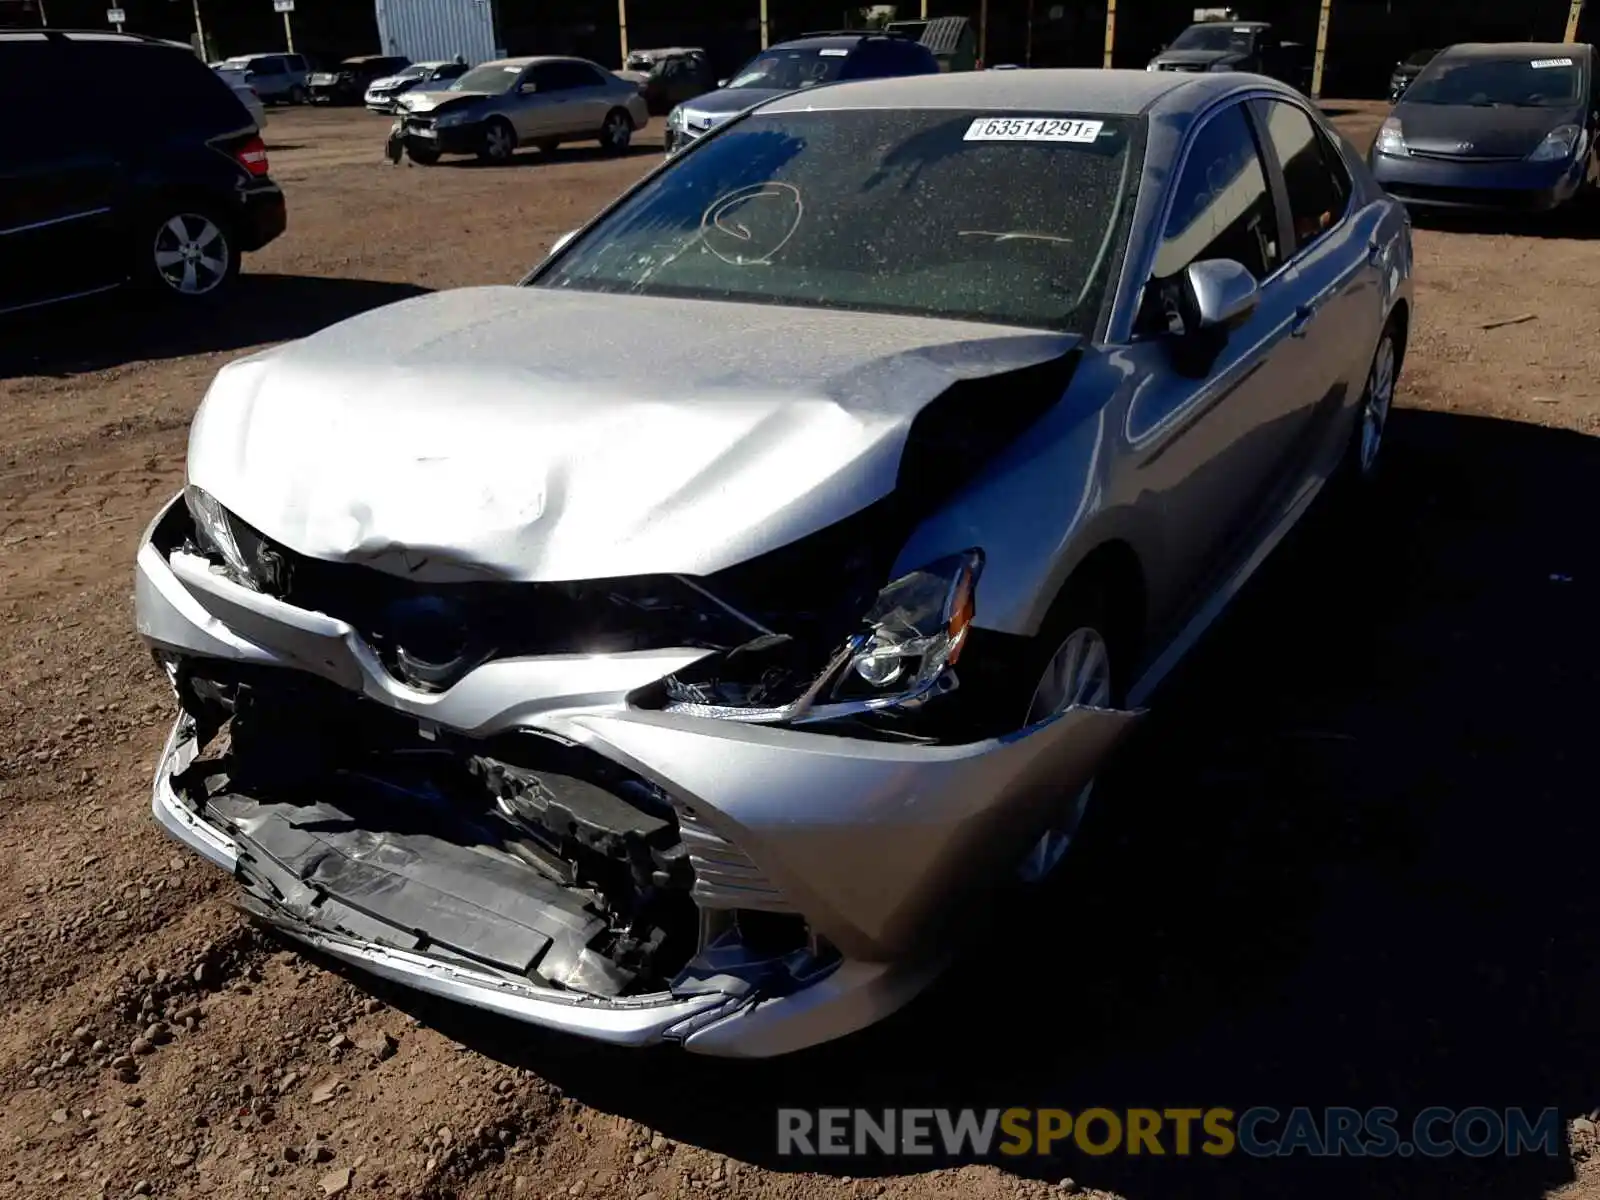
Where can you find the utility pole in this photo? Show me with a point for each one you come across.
(924, 10)
(983, 32)
(622, 28)
(763, 24)
(1322, 48)
(288, 30)
(1111, 30)
(1572, 20)
(44, 21)
(200, 33)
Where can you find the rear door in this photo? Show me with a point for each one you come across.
(584, 100)
(270, 79)
(60, 178)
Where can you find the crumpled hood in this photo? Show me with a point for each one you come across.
(1490, 132)
(726, 102)
(418, 101)
(542, 434)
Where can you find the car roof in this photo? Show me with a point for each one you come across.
(830, 41)
(1508, 50)
(1069, 89)
(1234, 24)
(532, 59)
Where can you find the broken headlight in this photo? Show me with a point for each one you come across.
(917, 628)
(899, 656)
(245, 554)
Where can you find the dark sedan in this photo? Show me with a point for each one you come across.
(1507, 126)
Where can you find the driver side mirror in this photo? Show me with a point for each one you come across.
(1219, 295)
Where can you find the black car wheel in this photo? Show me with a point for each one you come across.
(186, 253)
(299, 95)
(499, 141)
(422, 156)
(617, 132)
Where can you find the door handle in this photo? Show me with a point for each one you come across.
(1303, 316)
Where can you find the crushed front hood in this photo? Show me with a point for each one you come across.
(538, 434)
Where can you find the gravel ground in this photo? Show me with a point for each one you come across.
(1350, 862)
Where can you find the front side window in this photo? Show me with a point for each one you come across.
(932, 212)
(1221, 206)
(791, 69)
(493, 79)
(1317, 182)
(1554, 82)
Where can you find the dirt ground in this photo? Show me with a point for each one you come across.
(1351, 861)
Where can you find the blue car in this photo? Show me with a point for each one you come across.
(790, 66)
(1505, 126)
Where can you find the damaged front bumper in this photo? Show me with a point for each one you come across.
(741, 890)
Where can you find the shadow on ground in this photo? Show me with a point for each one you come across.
(126, 326)
(1348, 862)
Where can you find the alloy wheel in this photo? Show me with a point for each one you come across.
(1375, 406)
(192, 255)
(618, 132)
(1077, 675)
(497, 143)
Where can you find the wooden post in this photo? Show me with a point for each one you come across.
(44, 21)
(288, 33)
(924, 10)
(200, 33)
(983, 32)
(1322, 48)
(1111, 30)
(763, 24)
(622, 28)
(1572, 21)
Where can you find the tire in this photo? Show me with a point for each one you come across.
(616, 132)
(499, 142)
(299, 95)
(1363, 457)
(421, 156)
(1082, 628)
(186, 253)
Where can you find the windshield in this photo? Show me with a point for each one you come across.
(932, 212)
(791, 69)
(1517, 82)
(415, 71)
(1214, 37)
(493, 78)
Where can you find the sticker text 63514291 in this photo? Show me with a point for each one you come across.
(1033, 129)
(1540, 64)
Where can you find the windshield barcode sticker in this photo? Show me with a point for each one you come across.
(1033, 129)
(1539, 64)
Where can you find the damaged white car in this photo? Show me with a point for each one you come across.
(678, 646)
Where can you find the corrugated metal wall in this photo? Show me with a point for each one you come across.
(424, 30)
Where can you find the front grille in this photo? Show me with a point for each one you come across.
(1442, 156)
(1188, 68)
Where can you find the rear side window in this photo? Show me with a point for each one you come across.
(177, 92)
(266, 66)
(1221, 206)
(1316, 179)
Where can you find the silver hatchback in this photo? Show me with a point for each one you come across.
(494, 109)
(682, 645)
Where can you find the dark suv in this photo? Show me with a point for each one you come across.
(168, 194)
(815, 59)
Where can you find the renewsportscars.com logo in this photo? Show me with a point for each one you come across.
(1260, 1132)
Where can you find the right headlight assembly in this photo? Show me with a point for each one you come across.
(677, 118)
(901, 656)
(246, 556)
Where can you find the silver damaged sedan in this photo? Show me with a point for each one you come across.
(679, 646)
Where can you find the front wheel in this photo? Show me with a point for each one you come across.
(1076, 666)
(617, 132)
(421, 156)
(187, 254)
(499, 142)
(299, 95)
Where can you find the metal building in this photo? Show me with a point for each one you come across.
(429, 30)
